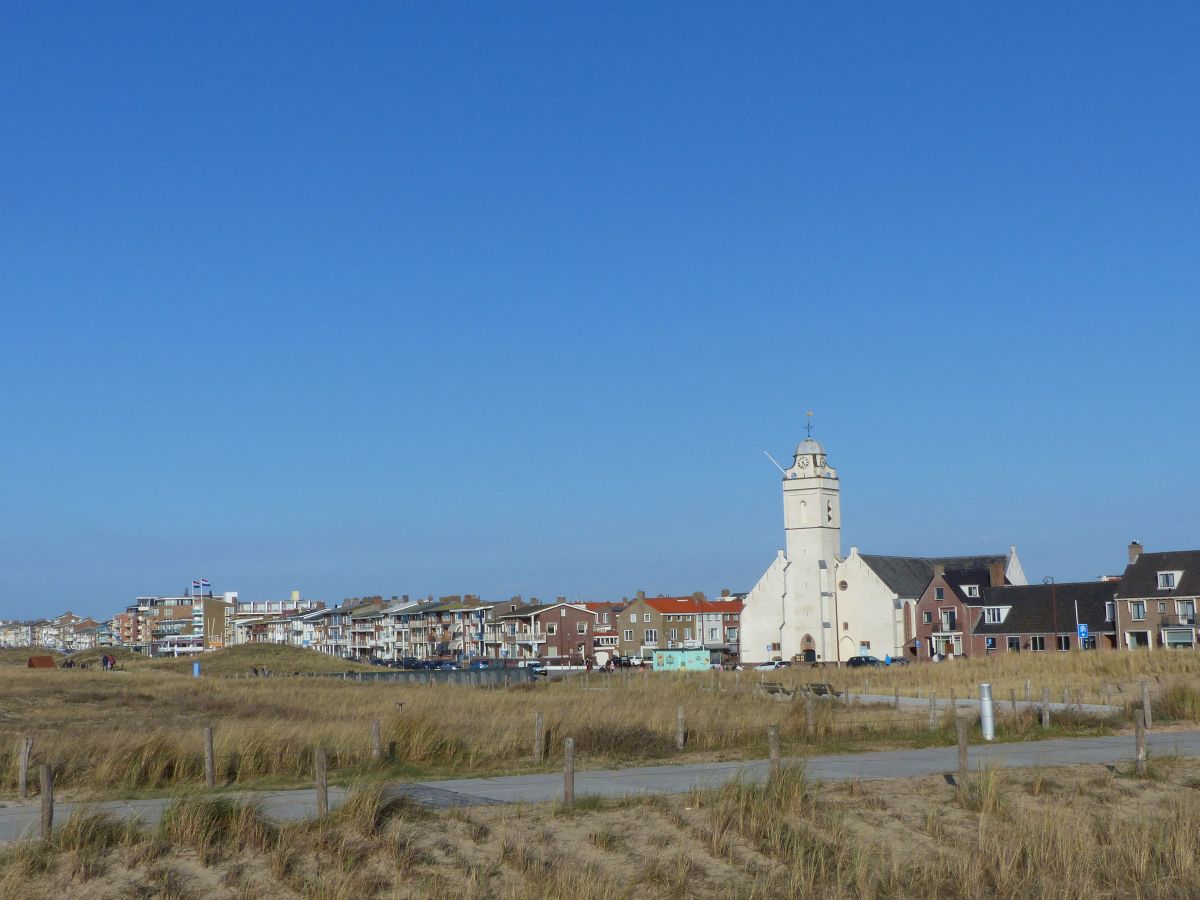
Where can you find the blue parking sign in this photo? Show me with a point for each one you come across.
(1083, 632)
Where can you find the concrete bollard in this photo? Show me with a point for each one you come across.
(987, 715)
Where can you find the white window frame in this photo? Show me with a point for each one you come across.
(939, 593)
(972, 590)
(1034, 640)
(646, 617)
(581, 627)
(1134, 607)
(993, 615)
(627, 635)
(1062, 642)
(650, 636)
(1168, 581)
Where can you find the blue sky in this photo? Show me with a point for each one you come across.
(438, 298)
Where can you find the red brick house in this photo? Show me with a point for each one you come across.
(560, 633)
(949, 607)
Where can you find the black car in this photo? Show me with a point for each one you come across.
(857, 662)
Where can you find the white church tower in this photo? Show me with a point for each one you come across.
(790, 610)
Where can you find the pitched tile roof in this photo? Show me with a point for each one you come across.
(1037, 607)
(685, 605)
(908, 576)
(1141, 577)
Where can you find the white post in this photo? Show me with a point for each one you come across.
(987, 720)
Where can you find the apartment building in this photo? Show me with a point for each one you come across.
(559, 633)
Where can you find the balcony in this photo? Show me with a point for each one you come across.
(526, 637)
(1177, 620)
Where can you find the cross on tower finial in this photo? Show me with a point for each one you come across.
(808, 424)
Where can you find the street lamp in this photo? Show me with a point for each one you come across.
(1049, 579)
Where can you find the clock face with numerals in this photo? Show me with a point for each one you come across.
(804, 462)
(821, 462)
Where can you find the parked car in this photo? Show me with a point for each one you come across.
(857, 662)
(479, 664)
(537, 666)
(447, 666)
(771, 666)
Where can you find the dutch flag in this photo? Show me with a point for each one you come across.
(195, 583)
(204, 582)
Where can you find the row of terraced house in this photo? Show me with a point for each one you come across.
(466, 627)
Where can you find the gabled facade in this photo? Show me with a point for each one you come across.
(949, 607)
(1156, 601)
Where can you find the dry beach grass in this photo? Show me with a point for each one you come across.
(140, 729)
(1088, 832)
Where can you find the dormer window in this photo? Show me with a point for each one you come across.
(972, 590)
(993, 615)
(1168, 580)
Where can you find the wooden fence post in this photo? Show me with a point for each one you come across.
(932, 711)
(569, 773)
(810, 716)
(321, 770)
(680, 731)
(961, 726)
(1149, 719)
(47, 801)
(896, 703)
(953, 700)
(210, 761)
(1139, 732)
(539, 737)
(773, 748)
(1028, 689)
(23, 770)
(1066, 696)
(376, 741)
(1012, 698)
(1045, 707)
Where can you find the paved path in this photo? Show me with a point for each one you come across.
(972, 704)
(19, 820)
(844, 767)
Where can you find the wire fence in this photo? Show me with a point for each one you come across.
(804, 720)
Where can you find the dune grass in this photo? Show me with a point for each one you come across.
(1070, 833)
(119, 734)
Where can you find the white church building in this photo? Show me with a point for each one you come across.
(815, 605)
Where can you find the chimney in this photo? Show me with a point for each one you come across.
(1135, 550)
(939, 569)
(996, 574)
(560, 599)
(724, 592)
(699, 596)
(641, 595)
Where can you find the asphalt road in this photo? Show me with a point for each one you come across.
(20, 820)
